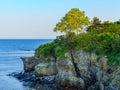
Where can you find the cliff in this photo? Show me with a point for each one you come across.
(81, 71)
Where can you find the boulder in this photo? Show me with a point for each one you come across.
(45, 69)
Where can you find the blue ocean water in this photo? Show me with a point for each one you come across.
(10, 52)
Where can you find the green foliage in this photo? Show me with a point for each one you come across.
(65, 44)
(95, 25)
(105, 41)
(73, 21)
(46, 51)
(101, 38)
(111, 27)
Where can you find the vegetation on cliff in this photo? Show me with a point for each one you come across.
(81, 58)
(102, 38)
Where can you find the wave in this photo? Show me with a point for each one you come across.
(17, 53)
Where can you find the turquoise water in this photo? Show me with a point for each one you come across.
(10, 53)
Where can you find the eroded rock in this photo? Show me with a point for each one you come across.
(30, 63)
(46, 69)
(81, 71)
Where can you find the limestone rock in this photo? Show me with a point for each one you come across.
(84, 60)
(45, 69)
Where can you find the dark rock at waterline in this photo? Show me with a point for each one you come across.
(31, 80)
(111, 88)
(28, 83)
(18, 75)
(45, 87)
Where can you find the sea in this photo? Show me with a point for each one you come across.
(11, 50)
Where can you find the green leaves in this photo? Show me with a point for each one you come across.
(73, 21)
(46, 50)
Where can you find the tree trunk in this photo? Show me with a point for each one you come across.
(75, 66)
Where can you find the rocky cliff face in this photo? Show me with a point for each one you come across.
(46, 69)
(30, 63)
(82, 71)
(116, 79)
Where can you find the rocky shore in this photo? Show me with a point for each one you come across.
(94, 73)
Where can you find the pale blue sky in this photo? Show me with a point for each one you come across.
(37, 18)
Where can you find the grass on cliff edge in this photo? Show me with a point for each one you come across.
(102, 39)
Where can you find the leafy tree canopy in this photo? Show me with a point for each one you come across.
(73, 21)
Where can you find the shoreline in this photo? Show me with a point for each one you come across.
(60, 75)
(29, 79)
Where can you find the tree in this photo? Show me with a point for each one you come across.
(118, 22)
(95, 25)
(96, 21)
(73, 21)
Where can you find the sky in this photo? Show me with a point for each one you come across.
(35, 19)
